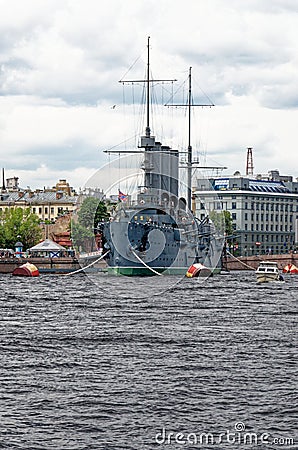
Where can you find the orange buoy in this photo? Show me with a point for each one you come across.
(26, 270)
(198, 270)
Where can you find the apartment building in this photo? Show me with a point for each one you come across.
(264, 210)
(48, 203)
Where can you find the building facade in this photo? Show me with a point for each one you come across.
(47, 204)
(264, 211)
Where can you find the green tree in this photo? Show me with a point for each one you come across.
(17, 224)
(222, 221)
(92, 212)
(82, 238)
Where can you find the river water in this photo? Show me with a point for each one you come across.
(148, 363)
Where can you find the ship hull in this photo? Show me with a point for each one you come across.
(144, 272)
(161, 246)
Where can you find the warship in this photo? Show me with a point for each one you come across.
(157, 233)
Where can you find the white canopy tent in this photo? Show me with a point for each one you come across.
(47, 248)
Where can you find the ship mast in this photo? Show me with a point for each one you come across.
(147, 81)
(189, 148)
(190, 163)
(148, 90)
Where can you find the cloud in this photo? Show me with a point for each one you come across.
(60, 63)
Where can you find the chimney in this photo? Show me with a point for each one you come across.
(249, 162)
(3, 180)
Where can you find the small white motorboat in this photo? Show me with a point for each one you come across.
(268, 271)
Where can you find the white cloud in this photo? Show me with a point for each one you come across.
(61, 61)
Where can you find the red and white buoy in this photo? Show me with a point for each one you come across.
(198, 270)
(26, 270)
(290, 268)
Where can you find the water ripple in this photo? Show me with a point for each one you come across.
(93, 366)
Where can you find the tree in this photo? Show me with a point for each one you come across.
(17, 224)
(222, 221)
(82, 238)
(91, 212)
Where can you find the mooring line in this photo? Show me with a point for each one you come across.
(148, 267)
(239, 260)
(89, 265)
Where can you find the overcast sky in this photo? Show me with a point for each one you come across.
(60, 63)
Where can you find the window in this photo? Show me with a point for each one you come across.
(234, 205)
(39, 210)
(234, 216)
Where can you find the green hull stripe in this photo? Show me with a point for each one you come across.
(143, 271)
